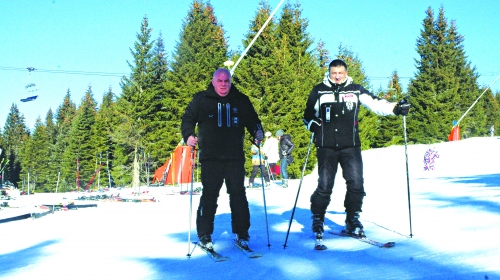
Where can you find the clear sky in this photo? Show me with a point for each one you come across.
(74, 44)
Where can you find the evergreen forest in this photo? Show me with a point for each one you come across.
(125, 137)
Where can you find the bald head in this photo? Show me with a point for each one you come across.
(222, 81)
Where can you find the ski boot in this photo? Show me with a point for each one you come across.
(317, 228)
(242, 240)
(284, 183)
(353, 226)
(206, 242)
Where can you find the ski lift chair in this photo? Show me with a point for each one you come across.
(31, 88)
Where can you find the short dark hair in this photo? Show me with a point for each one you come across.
(337, 63)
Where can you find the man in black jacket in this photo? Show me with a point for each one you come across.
(221, 113)
(332, 115)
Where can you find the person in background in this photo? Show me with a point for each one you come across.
(221, 113)
(285, 150)
(271, 152)
(257, 163)
(331, 113)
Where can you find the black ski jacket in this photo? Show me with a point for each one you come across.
(336, 107)
(221, 123)
(286, 146)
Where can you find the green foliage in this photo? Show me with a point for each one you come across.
(105, 122)
(201, 49)
(277, 73)
(390, 129)
(64, 116)
(140, 111)
(445, 84)
(81, 148)
(35, 158)
(15, 133)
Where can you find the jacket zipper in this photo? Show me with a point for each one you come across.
(219, 114)
(228, 114)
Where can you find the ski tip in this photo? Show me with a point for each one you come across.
(255, 255)
(389, 244)
(320, 247)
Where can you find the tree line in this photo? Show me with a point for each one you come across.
(124, 136)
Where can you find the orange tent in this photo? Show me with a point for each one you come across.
(177, 169)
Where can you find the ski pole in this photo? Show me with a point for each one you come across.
(263, 192)
(298, 191)
(407, 173)
(191, 201)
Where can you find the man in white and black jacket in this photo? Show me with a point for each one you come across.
(332, 115)
(222, 113)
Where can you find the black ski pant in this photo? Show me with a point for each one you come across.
(263, 172)
(352, 170)
(213, 174)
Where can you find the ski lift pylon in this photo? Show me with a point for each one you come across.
(31, 88)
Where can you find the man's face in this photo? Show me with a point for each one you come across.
(338, 74)
(222, 82)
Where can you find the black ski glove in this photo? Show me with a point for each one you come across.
(402, 108)
(258, 133)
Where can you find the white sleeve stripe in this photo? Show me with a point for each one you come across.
(378, 106)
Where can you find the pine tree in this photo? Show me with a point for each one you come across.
(15, 133)
(133, 112)
(52, 133)
(35, 158)
(298, 71)
(64, 116)
(491, 107)
(158, 137)
(445, 84)
(201, 49)
(390, 130)
(102, 131)
(253, 75)
(80, 146)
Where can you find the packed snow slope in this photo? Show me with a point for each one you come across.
(455, 225)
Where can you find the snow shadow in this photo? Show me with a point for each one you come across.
(345, 259)
(21, 258)
(488, 180)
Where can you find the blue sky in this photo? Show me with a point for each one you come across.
(74, 44)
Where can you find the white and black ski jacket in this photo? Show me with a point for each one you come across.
(221, 123)
(336, 107)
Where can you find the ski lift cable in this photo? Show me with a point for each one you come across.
(73, 72)
(255, 38)
(477, 100)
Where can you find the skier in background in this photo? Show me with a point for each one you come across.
(285, 150)
(257, 163)
(271, 152)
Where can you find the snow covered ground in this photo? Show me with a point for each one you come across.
(455, 212)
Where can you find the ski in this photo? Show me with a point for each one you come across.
(319, 246)
(247, 251)
(213, 254)
(365, 240)
(319, 242)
